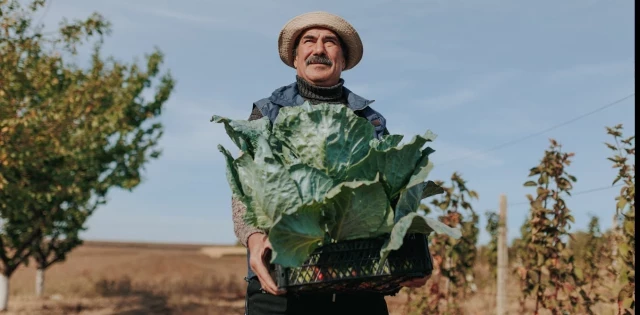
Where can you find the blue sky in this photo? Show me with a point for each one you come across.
(477, 73)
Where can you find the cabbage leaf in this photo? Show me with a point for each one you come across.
(318, 175)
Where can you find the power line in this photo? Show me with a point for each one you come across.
(512, 142)
(582, 192)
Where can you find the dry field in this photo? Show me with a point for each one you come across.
(128, 278)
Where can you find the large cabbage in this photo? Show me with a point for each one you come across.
(318, 175)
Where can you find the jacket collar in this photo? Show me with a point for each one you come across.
(289, 96)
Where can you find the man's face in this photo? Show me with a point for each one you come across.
(319, 57)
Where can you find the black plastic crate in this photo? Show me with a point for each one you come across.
(354, 266)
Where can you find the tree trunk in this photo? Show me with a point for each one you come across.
(4, 292)
(39, 282)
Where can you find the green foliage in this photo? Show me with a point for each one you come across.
(318, 175)
(548, 272)
(588, 273)
(624, 160)
(520, 249)
(493, 224)
(453, 259)
(67, 134)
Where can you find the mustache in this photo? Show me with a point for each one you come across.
(321, 59)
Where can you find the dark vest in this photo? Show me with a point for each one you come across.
(288, 96)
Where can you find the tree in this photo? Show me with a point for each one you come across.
(592, 248)
(548, 263)
(519, 250)
(58, 239)
(493, 224)
(67, 134)
(453, 259)
(624, 153)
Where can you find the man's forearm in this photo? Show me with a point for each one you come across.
(242, 229)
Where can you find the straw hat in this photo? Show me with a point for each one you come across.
(292, 30)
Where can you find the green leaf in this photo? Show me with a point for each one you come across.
(431, 189)
(312, 183)
(387, 142)
(233, 178)
(629, 226)
(616, 180)
(269, 185)
(330, 137)
(530, 184)
(295, 236)
(231, 172)
(578, 272)
(409, 201)
(245, 133)
(627, 304)
(396, 165)
(610, 146)
(625, 295)
(623, 248)
(544, 179)
(622, 202)
(356, 210)
(423, 169)
(415, 223)
(387, 225)
(534, 171)
(283, 154)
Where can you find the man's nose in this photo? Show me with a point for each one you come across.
(318, 48)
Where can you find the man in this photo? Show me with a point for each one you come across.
(319, 46)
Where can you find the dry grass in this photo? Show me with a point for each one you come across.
(130, 278)
(483, 301)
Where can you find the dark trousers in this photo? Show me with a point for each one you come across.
(260, 303)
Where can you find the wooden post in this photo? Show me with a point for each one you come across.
(503, 259)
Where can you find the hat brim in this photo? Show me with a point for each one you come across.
(294, 28)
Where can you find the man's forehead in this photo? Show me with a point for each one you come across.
(319, 32)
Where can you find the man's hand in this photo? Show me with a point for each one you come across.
(415, 283)
(260, 250)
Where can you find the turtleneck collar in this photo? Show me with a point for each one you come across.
(320, 93)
